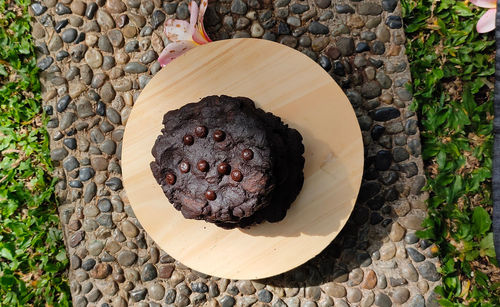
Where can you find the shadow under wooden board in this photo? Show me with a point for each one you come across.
(280, 80)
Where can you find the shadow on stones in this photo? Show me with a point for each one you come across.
(362, 234)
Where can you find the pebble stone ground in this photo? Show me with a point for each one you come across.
(95, 58)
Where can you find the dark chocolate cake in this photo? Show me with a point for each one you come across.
(227, 162)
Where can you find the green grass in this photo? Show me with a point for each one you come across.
(33, 260)
(452, 68)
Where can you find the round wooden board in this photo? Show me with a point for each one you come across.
(280, 80)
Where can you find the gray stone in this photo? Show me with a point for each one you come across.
(115, 37)
(245, 287)
(381, 281)
(170, 296)
(108, 147)
(170, 7)
(95, 247)
(148, 272)
(371, 89)
(289, 41)
(67, 119)
(411, 238)
(415, 255)
(400, 295)
(104, 205)
(105, 220)
(400, 154)
(404, 94)
(58, 154)
(135, 68)
(298, 8)
(90, 192)
(409, 272)
(238, 7)
(132, 46)
(114, 183)
(94, 295)
(345, 45)
(353, 295)
(369, 8)
(138, 295)
(157, 19)
(38, 8)
(113, 116)
(318, 28)
(182, 11)
(104, 44)
(265, 296)
(129, 229)
(149, 56)
(104, 20)
(281, 3)
(69, 163)
(417, 301)
(382, 300)
(323, 4)
(86, 173)
(143, 81)
(81, 301)
(334, 289)
(397, 281)
(84, 108)
(126, 258)
(428, 271)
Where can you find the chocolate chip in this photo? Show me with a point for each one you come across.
(210, 195)
(188, 139)
(247, 154)
(236, 175)
(170, 178)
(223, 168)
(201, 131)
(219, 135)
(202, 165)
(184, 167)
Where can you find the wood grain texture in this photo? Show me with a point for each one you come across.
(280, 80)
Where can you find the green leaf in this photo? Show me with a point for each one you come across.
(481, 221)
(486, 246)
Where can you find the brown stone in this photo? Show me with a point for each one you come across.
(394, 50)
(370, 280)
(74, 225)
(334, 289)
(157, 43)
(397, 232)
(116, 6)
(385, 98)
(100, 271)
(165, 271)
(99, 163)
(129, 31)
(318, 43)
(78, 7)
(355, 22)
(121, 21)
(138, 20)
(333, 52)
(76, 238)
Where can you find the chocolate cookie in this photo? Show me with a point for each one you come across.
(227, 162)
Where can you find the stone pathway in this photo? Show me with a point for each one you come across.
(97, 56)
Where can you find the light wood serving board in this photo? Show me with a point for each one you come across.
(280, 80)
